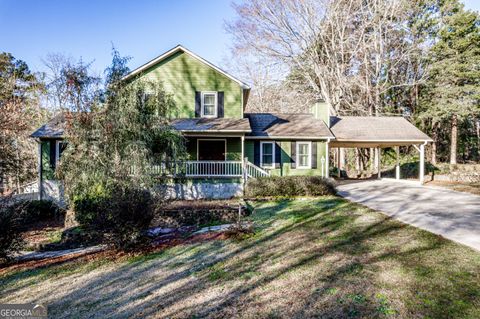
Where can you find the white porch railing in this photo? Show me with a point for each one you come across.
(255, 171)
(208, 169)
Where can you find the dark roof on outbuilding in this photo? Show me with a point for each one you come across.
(212, 125)
(52, 129)
(287, 125)
(381, 129)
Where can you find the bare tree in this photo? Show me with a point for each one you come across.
(349, 52)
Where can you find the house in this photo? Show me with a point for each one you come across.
(227, 145)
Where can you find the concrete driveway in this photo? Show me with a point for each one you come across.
(453, 215)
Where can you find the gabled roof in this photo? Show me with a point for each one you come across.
(183, 49)
(52, 129)
(394, 130)
(287, 125)
(212, 125)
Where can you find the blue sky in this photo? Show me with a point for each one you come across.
(141, 29)
(87, 29)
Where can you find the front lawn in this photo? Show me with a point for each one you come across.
(325, 257)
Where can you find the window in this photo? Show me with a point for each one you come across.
(304, 158)
(209, 104)
(267, 154)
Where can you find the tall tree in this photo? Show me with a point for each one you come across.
(118, 134)
(452, 93)
(19, 114)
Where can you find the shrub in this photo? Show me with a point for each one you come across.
(120, 216)
(33, 211)
(289, 186)
(10, 229)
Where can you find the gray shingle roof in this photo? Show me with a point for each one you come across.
(371, 128)
(210, 125)
(283, 125)
(53, 129)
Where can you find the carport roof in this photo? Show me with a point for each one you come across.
(363, 131)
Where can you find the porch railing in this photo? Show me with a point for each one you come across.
(199, 169)
(255, 171)
(208, 169)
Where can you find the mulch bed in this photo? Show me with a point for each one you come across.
(200, 204)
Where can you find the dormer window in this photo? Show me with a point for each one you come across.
(209, 104)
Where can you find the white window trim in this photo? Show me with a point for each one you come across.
(212, 139)
(309, 161)
(273, 154)
(202, 109)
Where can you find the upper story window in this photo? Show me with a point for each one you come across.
(304, 154)
(209, 104)
(267, 154)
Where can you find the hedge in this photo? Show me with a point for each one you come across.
(289, 186)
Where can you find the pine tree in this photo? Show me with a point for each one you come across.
(453, 91)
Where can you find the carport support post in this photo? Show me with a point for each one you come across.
(378, 153)
(339, 165)
(397, 167)
(422, 163)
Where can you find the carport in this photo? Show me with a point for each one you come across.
(378, 132)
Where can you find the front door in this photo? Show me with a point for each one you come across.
(211, 150)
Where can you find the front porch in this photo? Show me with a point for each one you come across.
(212, 157)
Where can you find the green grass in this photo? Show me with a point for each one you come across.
(324, 257)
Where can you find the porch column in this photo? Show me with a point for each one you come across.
(379, 169)
(242, 139)
(422, 163)
(326, 159)
(397, 167)
(40, 164)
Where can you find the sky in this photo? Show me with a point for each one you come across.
(142, 29)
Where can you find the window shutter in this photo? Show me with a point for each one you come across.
(220, 111)
(256, 153)
(198, 103)
(278, 155)
(293, 154)
(314, 154)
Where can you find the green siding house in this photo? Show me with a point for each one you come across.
(226, 146)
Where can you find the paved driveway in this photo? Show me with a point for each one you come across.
(451, 214)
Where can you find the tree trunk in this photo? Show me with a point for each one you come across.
(434, 144)
(477, 125)
(453, 140)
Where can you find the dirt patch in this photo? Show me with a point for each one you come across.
(472, 188)
(42, 233)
